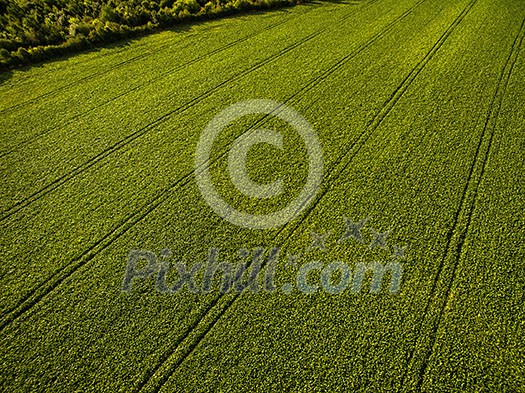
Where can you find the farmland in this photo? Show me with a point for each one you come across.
(418, 107)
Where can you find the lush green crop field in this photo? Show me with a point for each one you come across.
(419, 108)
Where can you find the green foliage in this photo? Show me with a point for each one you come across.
(190, 5)
(108, 14)
(241, 4)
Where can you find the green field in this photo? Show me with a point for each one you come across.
(419, 109)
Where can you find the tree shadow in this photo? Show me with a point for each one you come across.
(181, 27)
(5, 76)
(121, 43)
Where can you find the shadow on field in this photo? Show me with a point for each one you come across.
(183, 26)
(4, 76)
(119, 44)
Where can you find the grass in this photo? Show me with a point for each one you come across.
(418, 108)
